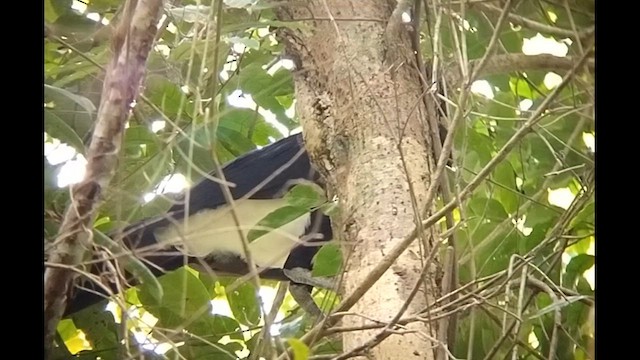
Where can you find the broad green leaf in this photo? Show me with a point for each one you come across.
(164, 94)
(76, 27)
(294, 328)
(511, 39)
(576, 267)
(538, 214)
(306, 195)
(244, 305)
(264, 88)
(215, 326)
(140, 142)
(328, 261)
(586, 216)
(85, 103)
(581, 246)
(57, 128)
(275, 220)
(54, 8)
(488, 208)
(185, 299)
(330, 208)
(300, 350)
(496, 257)
(521, 88)
(234, 141)
(134, 179)
(502, 106)
(79, 70)
(103, 5)
(505, 176)
(100, 330)
(70, 335)
(480, 144)
(250, 124)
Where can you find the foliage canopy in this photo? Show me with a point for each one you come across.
(537, 204)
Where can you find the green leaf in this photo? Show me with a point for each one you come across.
(581, 246)
(505, 176)
(503, 106)
(300, 350)
(328, 261)
(244, 305)
(522, 89)
(165, 94)
(99, 328)
(479, 144)
(234, 141)
(185, 299)
(250, 124)
(488, 208)
(54, 8)
(307, 195)
(275, 220)
(217, 326)
(264, 88)
(301, 198)
(496, 257)
(576, 267)
(136, 176)
(331, 208)
(84, 103)
(538, 214)
(57, 128)
(586, 216)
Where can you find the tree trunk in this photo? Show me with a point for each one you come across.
(359, 97)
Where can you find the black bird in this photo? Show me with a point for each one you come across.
(258, 179)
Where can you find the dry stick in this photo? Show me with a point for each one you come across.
(270, 319)
(499, 64)
(542, 28)
(491, 47)
(450, 269)
(131, 44)
(463, 302)
(395, 252)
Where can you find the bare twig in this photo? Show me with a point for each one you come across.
(539, 27)
(506, 63)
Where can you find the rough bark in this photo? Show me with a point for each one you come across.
(359, 96)
(132, 41)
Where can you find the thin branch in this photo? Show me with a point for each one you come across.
(539, 27)
(491, 47)
(507, 63)
(131, 44)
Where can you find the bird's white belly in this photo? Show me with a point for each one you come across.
(214, 231)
